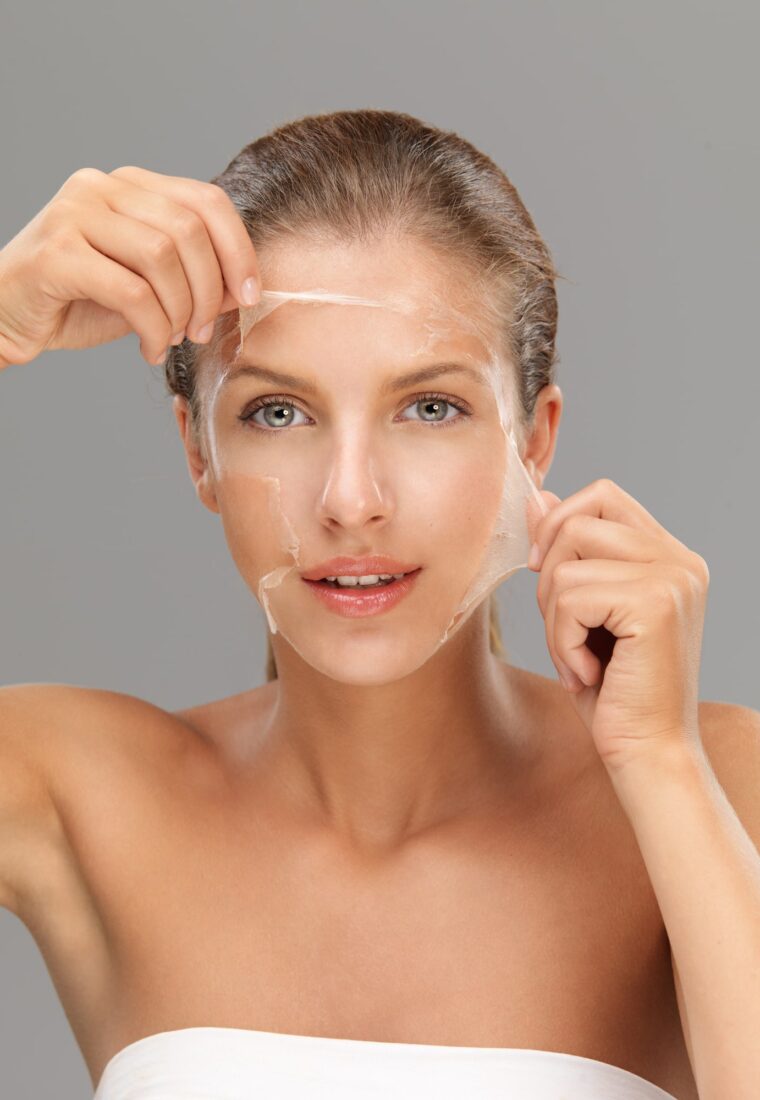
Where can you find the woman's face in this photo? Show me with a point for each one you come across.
(346, 458)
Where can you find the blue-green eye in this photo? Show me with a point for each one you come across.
(279, 411)
(434, 408)
(277, 414)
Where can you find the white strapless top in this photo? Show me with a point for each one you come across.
(225, 1063)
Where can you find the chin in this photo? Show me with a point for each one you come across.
(368, 661)
(361, 674)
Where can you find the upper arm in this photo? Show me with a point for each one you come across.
(730, 735)
(56, 742)
(27, 813)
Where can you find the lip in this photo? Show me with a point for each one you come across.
(352, 604)
(358, 567)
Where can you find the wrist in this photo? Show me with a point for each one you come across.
(680, 761)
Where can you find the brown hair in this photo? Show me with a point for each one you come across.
(353, 174)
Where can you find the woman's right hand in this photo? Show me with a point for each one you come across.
(119, 252)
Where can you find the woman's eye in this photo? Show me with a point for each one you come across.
(278, 413)
(433, 410)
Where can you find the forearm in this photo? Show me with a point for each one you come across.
(705, 872)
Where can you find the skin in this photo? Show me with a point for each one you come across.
(434, 733)
(459, 870)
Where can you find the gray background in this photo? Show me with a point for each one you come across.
(630, 131)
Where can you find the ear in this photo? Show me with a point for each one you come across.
(539, 449)
(196, 463)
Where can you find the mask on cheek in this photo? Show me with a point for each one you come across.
(454, 496)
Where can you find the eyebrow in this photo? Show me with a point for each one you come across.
(392, 385)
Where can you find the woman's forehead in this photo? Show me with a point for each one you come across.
(423, 305)
(390, 268)
(385, 329)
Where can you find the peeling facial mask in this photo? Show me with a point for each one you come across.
(348, 473)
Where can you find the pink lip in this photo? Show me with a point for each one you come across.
(353, 604)
(358, 567)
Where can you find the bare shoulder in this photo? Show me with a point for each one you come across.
(729, 732)
(40, 723)
(725, 727)
(730, 735)
(55, 741)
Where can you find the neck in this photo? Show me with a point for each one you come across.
(376, 765)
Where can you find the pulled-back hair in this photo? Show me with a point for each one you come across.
(358, 175)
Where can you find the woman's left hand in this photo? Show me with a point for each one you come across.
(623, 603)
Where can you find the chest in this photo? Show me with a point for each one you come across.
(538, 932)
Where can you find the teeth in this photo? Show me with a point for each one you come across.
(367, 581)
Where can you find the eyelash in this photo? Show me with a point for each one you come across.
(281, 399)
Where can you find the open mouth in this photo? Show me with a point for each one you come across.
(368, 595)
(356, 585)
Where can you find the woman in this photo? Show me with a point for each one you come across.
(402, 863)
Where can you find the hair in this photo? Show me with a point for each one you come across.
(352, 175)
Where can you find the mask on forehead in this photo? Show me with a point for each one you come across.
(282, 477)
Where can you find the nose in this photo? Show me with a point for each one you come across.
(355, 494)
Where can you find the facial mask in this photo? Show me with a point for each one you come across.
(291, 482)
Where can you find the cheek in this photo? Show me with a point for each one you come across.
(460, 506)
(253, 525)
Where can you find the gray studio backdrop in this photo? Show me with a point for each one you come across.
(630, 132)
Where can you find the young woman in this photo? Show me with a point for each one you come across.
(402, 863)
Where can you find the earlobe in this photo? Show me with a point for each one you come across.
(206, 493)
(196, 464)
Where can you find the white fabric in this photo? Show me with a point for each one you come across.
(219, 1063)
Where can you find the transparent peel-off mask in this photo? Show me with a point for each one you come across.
(286, 479)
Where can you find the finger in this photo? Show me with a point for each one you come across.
(578, 611)
(88, 274)
(147, 252)
(226, 229)
(605, 500)
(197, 299)
(586, 536)
(573, 574)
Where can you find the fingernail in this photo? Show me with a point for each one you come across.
(159, 360)
(178, 338)
(534, 556)
(204, 334)
(249, 292)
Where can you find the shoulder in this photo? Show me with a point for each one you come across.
(40, 727)
(36, 720)
(730, 735)
(57, 738)
(53, 728)
(40, 723)
(62, 747)
(49, 731)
